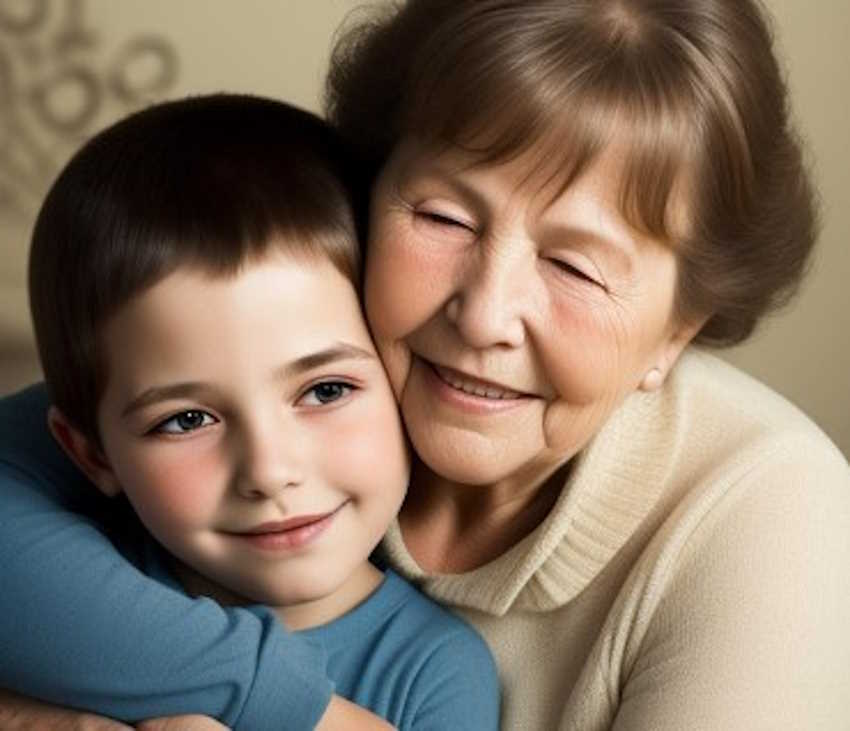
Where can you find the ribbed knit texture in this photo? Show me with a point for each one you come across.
(693, 574)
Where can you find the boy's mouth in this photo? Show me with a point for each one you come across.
(291, 533)
(287, 525)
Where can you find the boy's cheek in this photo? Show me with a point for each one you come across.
(371, 444)
(180, 488)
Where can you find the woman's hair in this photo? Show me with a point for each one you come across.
(689, 90)
(209, 183)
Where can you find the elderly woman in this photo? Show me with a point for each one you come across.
(569, 197)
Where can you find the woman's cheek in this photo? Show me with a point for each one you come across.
(389, 315)
(398, 272)
(577, 350)
(378, 450)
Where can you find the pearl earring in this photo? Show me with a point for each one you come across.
(652, 380)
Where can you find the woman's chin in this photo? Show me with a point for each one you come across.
(465, 458)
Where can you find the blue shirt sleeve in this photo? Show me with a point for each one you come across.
(458, 687)
(83, 626)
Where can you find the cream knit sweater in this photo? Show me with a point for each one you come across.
(694, 573)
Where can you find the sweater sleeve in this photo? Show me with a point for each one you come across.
(744, 621)
(84, 627)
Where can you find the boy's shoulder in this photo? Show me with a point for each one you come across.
(412, 661)
(416, 613)
(23, 417)
(399, 613)
(28, 453)
(36, 475)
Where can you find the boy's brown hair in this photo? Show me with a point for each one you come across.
(206, 182)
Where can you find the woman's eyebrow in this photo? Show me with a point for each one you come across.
(447, 176)
(618, 248)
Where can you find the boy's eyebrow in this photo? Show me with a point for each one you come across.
(338, 351)
(163, 393)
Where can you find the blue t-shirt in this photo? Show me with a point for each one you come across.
(83, 625)
(401, 655)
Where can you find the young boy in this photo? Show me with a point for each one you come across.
(193, 284)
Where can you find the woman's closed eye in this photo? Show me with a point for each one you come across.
(441, 218)
(185, 422)
(584, 271)
(325, 392)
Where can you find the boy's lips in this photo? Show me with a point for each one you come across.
(285, 525)
(290, 533)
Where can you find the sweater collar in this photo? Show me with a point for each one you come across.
(613, 485)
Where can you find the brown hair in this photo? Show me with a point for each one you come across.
(207, 182)
(691, 87)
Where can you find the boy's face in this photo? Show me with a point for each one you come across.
(250, 423)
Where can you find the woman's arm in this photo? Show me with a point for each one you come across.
(18, 713)
(343, 714)
(744, 624)
(83, 626)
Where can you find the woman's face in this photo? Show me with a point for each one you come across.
(512, 318)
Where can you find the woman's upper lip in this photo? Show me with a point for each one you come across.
(484, 382)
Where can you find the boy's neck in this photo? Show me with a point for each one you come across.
(354, 591)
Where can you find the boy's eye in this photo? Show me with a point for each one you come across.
(325, 392)
(184, 422)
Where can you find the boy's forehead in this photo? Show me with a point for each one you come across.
(294, 298)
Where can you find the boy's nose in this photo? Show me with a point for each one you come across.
(267, 465)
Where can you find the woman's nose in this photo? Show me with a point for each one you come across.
(489, 305)
(267, 464)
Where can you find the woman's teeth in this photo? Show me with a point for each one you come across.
(474, 388)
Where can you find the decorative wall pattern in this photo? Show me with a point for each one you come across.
(57, 81)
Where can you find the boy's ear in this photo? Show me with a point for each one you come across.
(83, 452)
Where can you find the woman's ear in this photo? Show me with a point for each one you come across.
(83, 452)
(670, 351)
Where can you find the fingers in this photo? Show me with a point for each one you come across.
(181, 723)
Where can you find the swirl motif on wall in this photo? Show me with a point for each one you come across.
(56, 79)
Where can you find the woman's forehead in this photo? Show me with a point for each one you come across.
(609, 176)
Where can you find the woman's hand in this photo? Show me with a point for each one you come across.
(343, 715)
(182, 723)
(19, 713)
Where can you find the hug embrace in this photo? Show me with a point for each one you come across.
(550, 211)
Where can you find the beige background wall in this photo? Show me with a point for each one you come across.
(57, 57)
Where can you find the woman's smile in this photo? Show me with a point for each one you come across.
(474, 386)
(469, 395)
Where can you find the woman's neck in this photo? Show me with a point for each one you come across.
(452, 528)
